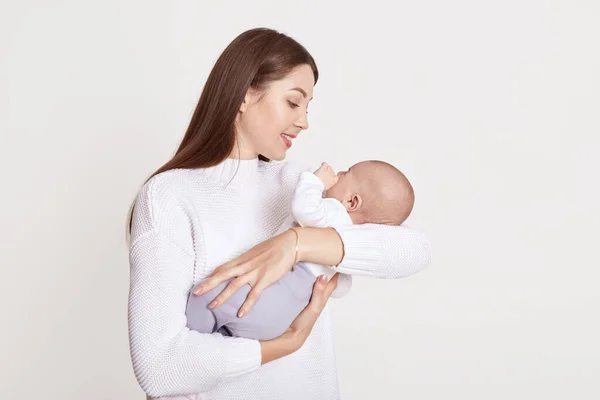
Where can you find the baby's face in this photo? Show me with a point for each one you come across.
(346, 185)
(374, 192)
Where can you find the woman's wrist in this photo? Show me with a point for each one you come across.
(320, 245)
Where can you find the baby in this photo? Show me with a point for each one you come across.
(369, 192)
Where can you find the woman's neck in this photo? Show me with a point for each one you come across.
(242, 150)
(234, 171)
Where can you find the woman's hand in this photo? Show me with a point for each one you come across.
(260, 267)
(295, 336)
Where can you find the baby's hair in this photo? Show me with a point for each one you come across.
(387, 194)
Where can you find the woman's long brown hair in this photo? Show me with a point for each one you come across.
(254, 59)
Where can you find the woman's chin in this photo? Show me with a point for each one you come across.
(275, 155)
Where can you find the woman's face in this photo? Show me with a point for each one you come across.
(269, 121)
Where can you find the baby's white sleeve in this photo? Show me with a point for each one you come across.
(310, 209)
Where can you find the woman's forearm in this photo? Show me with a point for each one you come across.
(277, 348)
(374, 250)
(320, 245)
(383, 251)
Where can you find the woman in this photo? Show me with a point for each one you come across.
(217, 203)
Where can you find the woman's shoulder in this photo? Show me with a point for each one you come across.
(168, 184)
(168, 192)
(162, 202)
(162, 206)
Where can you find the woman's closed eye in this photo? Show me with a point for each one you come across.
(294, 105)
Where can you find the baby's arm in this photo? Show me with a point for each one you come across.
(309, 208)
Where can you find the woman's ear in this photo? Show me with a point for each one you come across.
(244, 105)
(355, 203)
(250, 98)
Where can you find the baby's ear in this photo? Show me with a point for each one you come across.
(355, 203)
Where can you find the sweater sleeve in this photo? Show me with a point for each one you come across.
(383, 251)
(309, 208)
(168, 358)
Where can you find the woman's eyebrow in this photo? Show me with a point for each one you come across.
(299, 89)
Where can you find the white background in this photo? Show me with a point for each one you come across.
(490, 108)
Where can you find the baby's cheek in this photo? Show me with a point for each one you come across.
(332, 192)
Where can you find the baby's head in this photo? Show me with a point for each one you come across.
(374, 192)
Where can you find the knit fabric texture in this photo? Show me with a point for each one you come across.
(187, 222)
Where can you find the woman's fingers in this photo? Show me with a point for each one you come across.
(305, 321)
(212, 281)
(322, 291)
(231, 288)
(221, 274)
(251, 299)
(332, 285)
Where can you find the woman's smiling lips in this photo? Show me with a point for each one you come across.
(287, 139)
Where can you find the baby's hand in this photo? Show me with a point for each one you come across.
(326, 174)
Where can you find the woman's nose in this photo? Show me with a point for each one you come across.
(303, 122)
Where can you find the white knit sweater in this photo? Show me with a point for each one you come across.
(187, 222)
